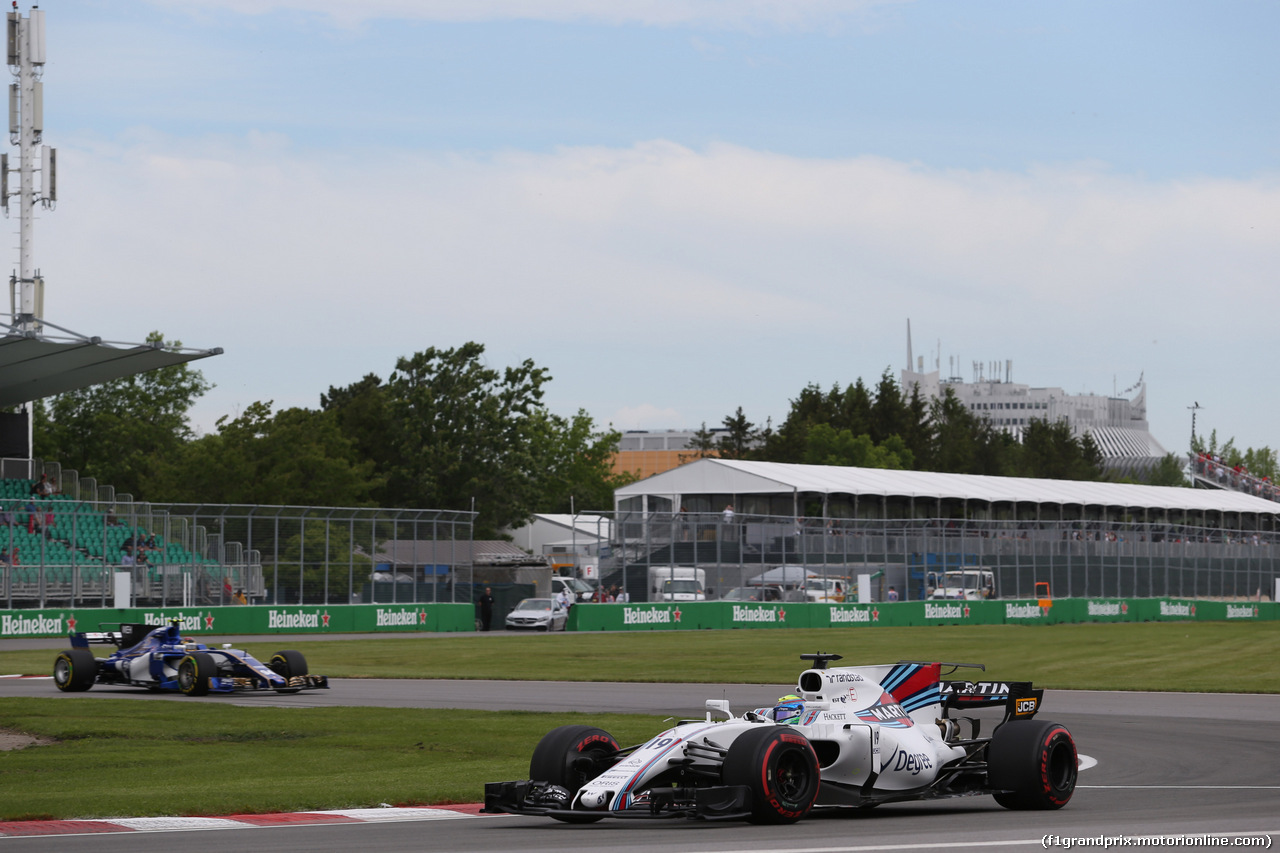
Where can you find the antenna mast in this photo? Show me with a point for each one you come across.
(26, 130)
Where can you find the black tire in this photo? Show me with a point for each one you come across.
(571, 756)
(781, 769)
(194, 672)
(289, 664)
(75, 670)
(1032, 765)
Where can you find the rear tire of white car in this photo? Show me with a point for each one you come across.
(1034, 762)
(194, 673)
(75, 670)
(781, 769)
(288, 664)
(571, 756)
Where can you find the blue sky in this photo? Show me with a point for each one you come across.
(678, 206)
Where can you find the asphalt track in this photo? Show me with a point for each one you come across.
(1168, 765)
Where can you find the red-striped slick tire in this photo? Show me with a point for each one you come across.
(780, 767)
(1032, 765)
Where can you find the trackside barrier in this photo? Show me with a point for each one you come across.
(371, 618)
(693, 615)
(318, 619)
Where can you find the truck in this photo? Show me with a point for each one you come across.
(677, 583)
(967, 584)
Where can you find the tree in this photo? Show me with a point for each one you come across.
(573, 463)
(1050, 451)
(701, 445)
(463, 434)
(828, 446)
(1167, 472)
(739, 438)
(122, 431)
(297, 457)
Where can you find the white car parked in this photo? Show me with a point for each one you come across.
(542, 614)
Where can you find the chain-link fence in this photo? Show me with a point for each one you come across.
(1074, 558)
(58, 550)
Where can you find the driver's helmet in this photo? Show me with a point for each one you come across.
(788, 710)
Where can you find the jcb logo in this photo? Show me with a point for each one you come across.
(1026, 706)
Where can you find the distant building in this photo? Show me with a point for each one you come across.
(648, 452)
(1118, 424)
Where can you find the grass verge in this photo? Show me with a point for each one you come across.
(117, 758)
(1230, 657)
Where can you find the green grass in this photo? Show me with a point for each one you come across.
(1179, 656)
(116, 757)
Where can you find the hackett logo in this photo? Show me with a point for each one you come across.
(754, 614)
(943, 611)
(18, 626)
(1022, 611)
(849, 614)
(1104, 608)
(638, 616)
(284, 619)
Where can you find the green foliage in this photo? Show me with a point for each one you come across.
(1168, 472)
(297, 457)
(121, 431)
(890, 429)
(828, 447)
(739, 438)
(1050, 451)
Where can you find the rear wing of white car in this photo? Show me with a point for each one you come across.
(1020, 698)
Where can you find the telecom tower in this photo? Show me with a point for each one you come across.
(26, 130)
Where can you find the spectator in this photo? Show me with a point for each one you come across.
(893, 595)
(728, 514)
(623, 597)
(486, 609)
(564, 600)
(126, 558)
(13, 558)
(240, 597)
(40, 488)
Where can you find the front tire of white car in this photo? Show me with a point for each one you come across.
(781, 769)
(571, 756)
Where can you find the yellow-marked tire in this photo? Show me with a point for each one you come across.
(194, 672)
(75, 670)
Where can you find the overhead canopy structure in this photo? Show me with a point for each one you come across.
(722, 477)
(34, 366)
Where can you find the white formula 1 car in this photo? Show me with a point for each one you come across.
(853, 736)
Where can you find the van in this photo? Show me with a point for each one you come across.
(576, 588)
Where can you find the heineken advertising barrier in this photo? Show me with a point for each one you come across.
(693, 615)
(318, 619)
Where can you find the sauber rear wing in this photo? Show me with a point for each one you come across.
(129, 635)
(1020, 699)
(84, 639)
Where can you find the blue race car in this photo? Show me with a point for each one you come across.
(158, 658)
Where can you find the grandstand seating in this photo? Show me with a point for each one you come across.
(74, 546)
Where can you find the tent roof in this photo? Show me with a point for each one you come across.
(732, 477)
(33, 366)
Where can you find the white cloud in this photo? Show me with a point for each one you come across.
(697, 279)
(645, 416)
